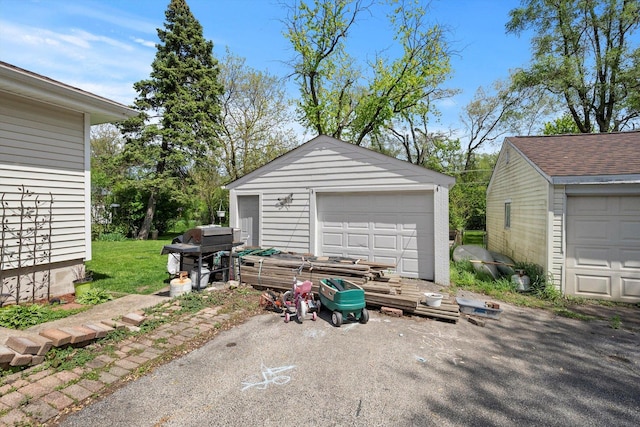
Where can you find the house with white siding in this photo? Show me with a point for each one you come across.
(331, 198)
(571, 204)
(45, 181)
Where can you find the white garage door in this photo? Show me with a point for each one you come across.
(391, 228)
(603, 247)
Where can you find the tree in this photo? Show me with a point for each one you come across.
(106, 171)
(506, 109)
(561, 125)
(409, 138)
(582, 54)
(340, 100)
(254, 118)
(467, 198)
(179, 112)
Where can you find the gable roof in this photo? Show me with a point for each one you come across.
(320, 141)
(28, 84)
(599, 156)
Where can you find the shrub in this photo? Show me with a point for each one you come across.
(25, 316)
(111, 237)
(94, 296)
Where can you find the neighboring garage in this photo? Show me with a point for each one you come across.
(571, 204)
(331, 198)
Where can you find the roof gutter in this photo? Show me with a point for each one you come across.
(24, 83)
(596, 179)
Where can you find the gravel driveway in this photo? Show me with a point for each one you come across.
(529, 368)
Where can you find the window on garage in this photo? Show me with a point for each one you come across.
(507, 214)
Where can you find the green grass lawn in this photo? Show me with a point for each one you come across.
(130, 266)
(473, 237)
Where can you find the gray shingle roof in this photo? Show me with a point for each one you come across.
(594, 154)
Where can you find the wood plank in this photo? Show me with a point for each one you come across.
(423, 311)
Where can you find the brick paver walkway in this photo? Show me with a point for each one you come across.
(36, 396)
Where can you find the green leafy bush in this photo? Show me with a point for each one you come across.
(25, 316)
(541, 285)
(94, 296)
(111, 237)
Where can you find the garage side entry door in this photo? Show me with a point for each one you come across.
(249, 215)
(392, 228)
(603, 247)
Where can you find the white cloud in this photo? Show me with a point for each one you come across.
(97, 63)
(102, 12)
(447, 103)
(147, 43)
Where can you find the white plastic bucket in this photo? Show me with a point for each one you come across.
(433, 299)
(204, 278)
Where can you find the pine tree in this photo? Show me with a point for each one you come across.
(179, 110)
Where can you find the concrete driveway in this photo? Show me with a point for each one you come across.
(529, 368)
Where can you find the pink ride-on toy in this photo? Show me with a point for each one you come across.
(299, 301)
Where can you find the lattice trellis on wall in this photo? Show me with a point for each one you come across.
(25, 246)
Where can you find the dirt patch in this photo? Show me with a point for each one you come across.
(61, 302)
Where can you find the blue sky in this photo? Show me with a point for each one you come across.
(105, 46)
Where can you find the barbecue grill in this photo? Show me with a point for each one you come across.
(198, 246)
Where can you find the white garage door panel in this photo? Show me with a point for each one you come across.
(595, 285)
(592, 257)
(630, 259)
(385, 242)
(630, 231)
(333, 239)
(603, 247)
(385, 222)
(591, 231)
(631, 288)
(630, 205)
(357, 240)
(394, 229)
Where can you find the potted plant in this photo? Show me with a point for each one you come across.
(82, 279)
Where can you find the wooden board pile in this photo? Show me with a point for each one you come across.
(382, 287)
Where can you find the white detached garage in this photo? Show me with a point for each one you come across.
(331, 198)
(571, 204)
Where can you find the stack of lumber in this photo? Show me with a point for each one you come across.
(382, 288)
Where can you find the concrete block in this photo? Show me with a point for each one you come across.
(57, 337)
(133, 319)
(396, 312)
(22, 345)
(100, 329)
(6, 354)
(44, 343)
(21, 359)
(475, 321)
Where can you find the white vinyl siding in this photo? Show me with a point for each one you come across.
(557, 238)
(528, 192)
(39, 135)
(42, 147)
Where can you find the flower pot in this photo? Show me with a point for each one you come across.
(81, 287)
